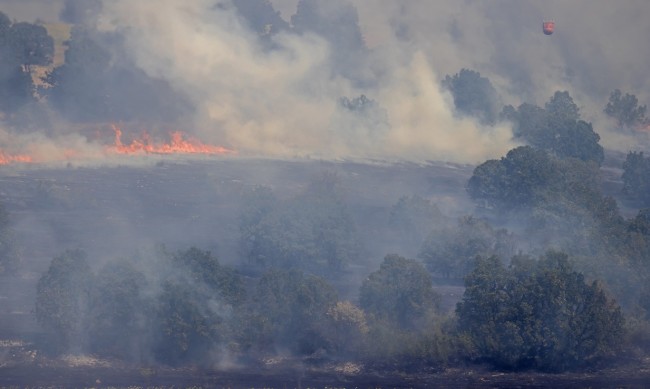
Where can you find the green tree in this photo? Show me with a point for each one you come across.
(413, 218)
(189, 327)
(561, 109)
(399, 293)
(636, 177)
(347, 328)
(473, 95)
(625, 109)
(539, 314)
(517, 181)
(31, 44)
(194, 309)
(119, 314)
(21, 46)
(528, 180)
(203, 267)
(312, 231)
(290, 311)
(62, 298)
(557, 128)
(451, 252)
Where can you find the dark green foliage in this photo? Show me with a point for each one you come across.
(473, 95)
(290, 310)
(190, 323)
(404, 327)
(561, 109)
(21, 46)
(413, 218)
(625, 109)
(530, 181)
(451, 252)
(120, 314)
(181, 315)
(517, 181)
(399, 293)
(347, 328)
(31, 44)
(539, 314)
(194, 307)
(636, 177)
(557, 128)
(312, 231)
(62, 298)
(203, 268)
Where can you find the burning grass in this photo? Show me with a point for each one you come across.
(63, 150)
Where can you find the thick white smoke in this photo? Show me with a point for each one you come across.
(283, 102)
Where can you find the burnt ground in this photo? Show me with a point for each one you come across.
(74, 372)
(114, 211)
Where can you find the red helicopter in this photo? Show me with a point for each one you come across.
(548, 26)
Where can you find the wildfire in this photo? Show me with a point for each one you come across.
(6, 159)
(56, 152)
(178, 144)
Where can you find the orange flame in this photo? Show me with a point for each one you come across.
(178, 145)
(6, 159)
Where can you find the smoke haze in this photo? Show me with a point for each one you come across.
(283, 101)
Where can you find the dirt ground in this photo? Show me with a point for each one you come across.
(79, 375)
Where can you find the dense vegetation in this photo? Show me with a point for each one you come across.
(555, 277)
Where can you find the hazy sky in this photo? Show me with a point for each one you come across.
(284, 102)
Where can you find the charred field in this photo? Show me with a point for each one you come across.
(115, 210)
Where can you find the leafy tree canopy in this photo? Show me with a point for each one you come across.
(22, 45)
(290, 309)
(413, 218)
(451, 252)
(400, 293)
(474, 95)
(537, 313)
(626, 110)
(312, 231)
(519, 180)
(119, 313)
(636, 177)
(556, 128)
(62, 297)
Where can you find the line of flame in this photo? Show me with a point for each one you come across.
(6, 159)
(178, 145)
